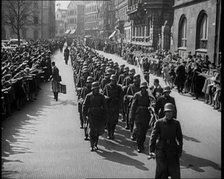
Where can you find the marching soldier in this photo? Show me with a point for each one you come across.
(140, 115)
(94, 110)
(132, 89)
(162, 100)
(122, 76)
(105, 80)
(114, 95)
(84, 91)
(163, 145)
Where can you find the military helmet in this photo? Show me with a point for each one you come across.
(136, 76)
(126, 69)
(89, 79)
(169, 107)
(95, 85)
(144, 85)
(132, 70)
(167, 89)
(113, 77)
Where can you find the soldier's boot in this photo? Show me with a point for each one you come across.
(96, 142)
(92, 143)
(86, 134)
(81, 121)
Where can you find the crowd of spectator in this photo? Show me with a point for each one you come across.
(195, 75)
(22, 71)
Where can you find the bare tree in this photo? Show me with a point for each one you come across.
(17, 14)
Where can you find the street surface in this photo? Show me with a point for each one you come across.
(43, 140)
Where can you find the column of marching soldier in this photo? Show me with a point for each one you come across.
(106, 91)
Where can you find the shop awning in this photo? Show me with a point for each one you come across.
(67, 31)
(72, 31)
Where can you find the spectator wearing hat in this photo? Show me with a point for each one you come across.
(156, 89)
(163, 145)
(140, 115)
(180, 77)
(94, 111)
(162, 100)
(197, 81)
(114, 95)
(55, 80)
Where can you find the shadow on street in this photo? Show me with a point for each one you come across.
(196, 163)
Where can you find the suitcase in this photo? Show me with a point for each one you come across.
(62, 88)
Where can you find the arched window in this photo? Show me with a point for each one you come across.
(202, 31)
(182, 33)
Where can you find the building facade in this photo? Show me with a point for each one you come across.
(196, 28)
(122, 19)
(94, 20)
(148, 17)
(75, 18)
(42, 25)
(61, 22)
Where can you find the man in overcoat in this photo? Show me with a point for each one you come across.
(94, 110)
(84, 91)
(140, 115)
(114, 95)
(55, 80)
(166, 145)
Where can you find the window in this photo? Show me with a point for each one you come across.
(35, 20)
(202, 31)
(182, 33)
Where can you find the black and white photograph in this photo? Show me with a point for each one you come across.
(111, 89)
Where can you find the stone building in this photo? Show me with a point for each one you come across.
(75, 21)
(196, 28)
(147, 19)
(122, 19)
(43, 22)
(93, 19)
(61, 22)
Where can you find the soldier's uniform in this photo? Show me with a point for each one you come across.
(84, 91)
(165, 135)
(94, 107)
(162, 100)
(122, 76)
(105, 80)
(140, 115)
(132, 89)
(114, 98)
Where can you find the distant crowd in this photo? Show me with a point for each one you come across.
(195, 75)
(22, 71)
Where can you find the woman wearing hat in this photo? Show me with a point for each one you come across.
(140, 115)
(94, 110)
(166, 144)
